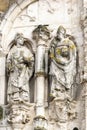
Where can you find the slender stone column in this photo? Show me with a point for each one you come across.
(40, 78)
(41, 35)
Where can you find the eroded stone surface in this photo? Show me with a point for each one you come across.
(52, 14)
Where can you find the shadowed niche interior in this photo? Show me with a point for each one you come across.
(75, 128)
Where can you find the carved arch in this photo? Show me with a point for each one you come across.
(11, 15)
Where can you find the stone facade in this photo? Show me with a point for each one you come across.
(43, 69)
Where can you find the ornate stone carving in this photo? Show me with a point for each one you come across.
(20, 67)
(63, 65)
(62, 111)
(20, 113)
(40, 123)
(62, 76)
(71, 110)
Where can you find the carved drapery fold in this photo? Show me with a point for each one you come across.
(63, 65)
(20, 67)
(62, 76)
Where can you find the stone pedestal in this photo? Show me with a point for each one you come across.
(20, 114)
(40, 123)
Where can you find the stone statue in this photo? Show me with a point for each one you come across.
(63, 65)
(20, 67)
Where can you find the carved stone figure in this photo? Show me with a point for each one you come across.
(20, 63)
(63, 77)
(63, 65)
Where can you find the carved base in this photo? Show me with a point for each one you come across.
(40, 123)
(62, 111)
(20, 114)
(17, 126)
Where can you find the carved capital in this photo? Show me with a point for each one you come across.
(41, 33)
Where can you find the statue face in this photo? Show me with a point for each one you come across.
(20, 40)
(61, 35)
(61, 32)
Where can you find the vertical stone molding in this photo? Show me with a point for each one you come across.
(41, 35)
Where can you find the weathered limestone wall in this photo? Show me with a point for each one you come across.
(23, 17)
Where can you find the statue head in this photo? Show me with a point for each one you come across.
(61, 32)
(19, 39)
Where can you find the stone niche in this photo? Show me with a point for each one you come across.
(38, 21)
